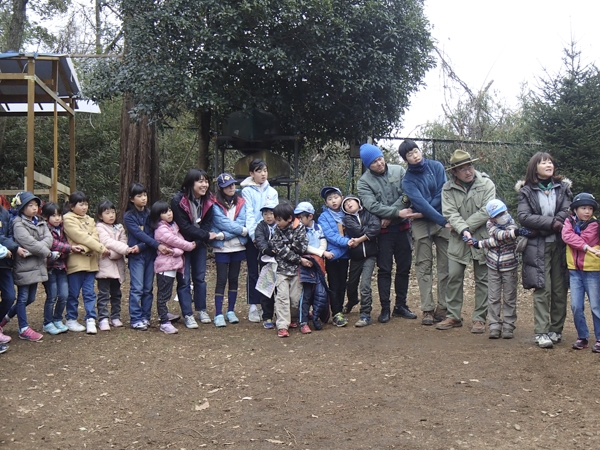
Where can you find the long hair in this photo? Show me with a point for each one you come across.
(531, 175)
(221, 200)
(157, 209)
(191, 177)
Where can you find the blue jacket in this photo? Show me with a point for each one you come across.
(139, 231)
(314, 275)
(336, 242)
(6, 238)
(424, 189)
(232, 229)
(256, 197)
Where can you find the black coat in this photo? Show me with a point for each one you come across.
(364, 224)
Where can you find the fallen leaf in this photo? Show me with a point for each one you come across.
(274, 441)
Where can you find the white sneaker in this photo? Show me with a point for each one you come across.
(190, 322)
(543, 341)
(203, 317)
(555, 337)
(254, 316)
(103, 325)
(90, 325)
(73, 325)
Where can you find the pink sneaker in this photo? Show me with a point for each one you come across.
(305, 329)
(4, 339)
(30, 335)
(168, 328)
(104, 325)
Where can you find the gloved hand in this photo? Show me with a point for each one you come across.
(475, 243)
(466, 238)
(523, 232)
(54, 256)
(557, 226)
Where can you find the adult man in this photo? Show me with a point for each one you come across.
(380, 189)
(423, 184)
(464, 198)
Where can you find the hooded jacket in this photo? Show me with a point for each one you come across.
(169, 235)
(576, 239)
(256, 196)
(501, 245)
(232, 229)
(81, 230)
(337, 243)
(529, 213)
(360, 224)
(37, 240)
(465, 209)
(114, 238)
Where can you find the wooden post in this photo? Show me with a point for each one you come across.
(30, 122)
(54, 170)
(72, 148)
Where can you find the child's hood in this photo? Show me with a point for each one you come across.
(249, 182)
(351, 197)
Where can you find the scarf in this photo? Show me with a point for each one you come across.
(337, 215)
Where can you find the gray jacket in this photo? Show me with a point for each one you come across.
(529, 213)
(37, 240)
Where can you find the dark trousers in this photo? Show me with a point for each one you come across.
(164, 293)
(266, 303)
(7, 289)
(252, 294)
(308, 291)
(337, 275)
(398, 247)
(109, 289)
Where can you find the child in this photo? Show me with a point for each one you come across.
(57, 286)
(317, 247)
(33, 235)
(502, 263)
(168, 267)
(111, 273)
(229, 217)
(289, 243)
(140, 236)
(262, 235)
(338, 244)
(580, 233)
(82, 267)
(256, 192)
(363, 228)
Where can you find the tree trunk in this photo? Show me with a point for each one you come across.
(139, 156)
(203, 120)
(16, 29)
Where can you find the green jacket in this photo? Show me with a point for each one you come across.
(382, 195)
(464, 210)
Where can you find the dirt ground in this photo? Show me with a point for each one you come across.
(395, 385)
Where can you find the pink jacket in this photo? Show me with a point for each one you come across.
(114, 239)
(168, 234)
(577, 259)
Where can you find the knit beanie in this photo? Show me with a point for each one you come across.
(406, 147)
(369, 153)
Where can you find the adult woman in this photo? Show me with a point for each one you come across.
(544, 200)
(192, 211)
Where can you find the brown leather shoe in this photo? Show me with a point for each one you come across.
(427, 318)
(439, 314)
(448, 323)
(478, 327)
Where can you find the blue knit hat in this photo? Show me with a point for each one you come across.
(495, 207)
(22, 198)
(369, 153)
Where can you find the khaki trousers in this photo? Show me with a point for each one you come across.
(287, 299)
(455, 294)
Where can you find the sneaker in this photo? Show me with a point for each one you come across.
(73, 325)
(384, 317)
(51, 329)
(90, 326)
(293, 324)
(4, 321)
(146, 322)
(173, 317)
(3, 348)
(448, 323)
(30, 335)
(543, 341)
(283, 332)
(4, 338)
(268, 324)
(220, 321)
(103, 325)
(555, 337)
(190, 322)
(168, 328)
(596, 347)
(140, 326)
(116, 323)
(347, 309)
(61, 327)
(363, 322)
(339, 320)
(404, 312)
(580, 344)
(305, 329)
(203, 317)
(317, 323)
(494, 334)
(254, 316)
(478, 327)
(427, 318)
(439, 313)
(231, 317)
(508, 333)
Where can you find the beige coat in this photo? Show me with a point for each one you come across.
(81, 230)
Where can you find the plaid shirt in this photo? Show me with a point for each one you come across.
(59, 244)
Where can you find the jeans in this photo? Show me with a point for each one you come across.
(25, 296)
(109, 289)
(252, 295)
(393, 246)
(81, 282)
(194, 270)
(57, 292)
(585, 283)
(141, 282)
(7, 289)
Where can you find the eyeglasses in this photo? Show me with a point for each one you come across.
(466, 168)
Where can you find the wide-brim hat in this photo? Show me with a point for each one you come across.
(460, 158)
